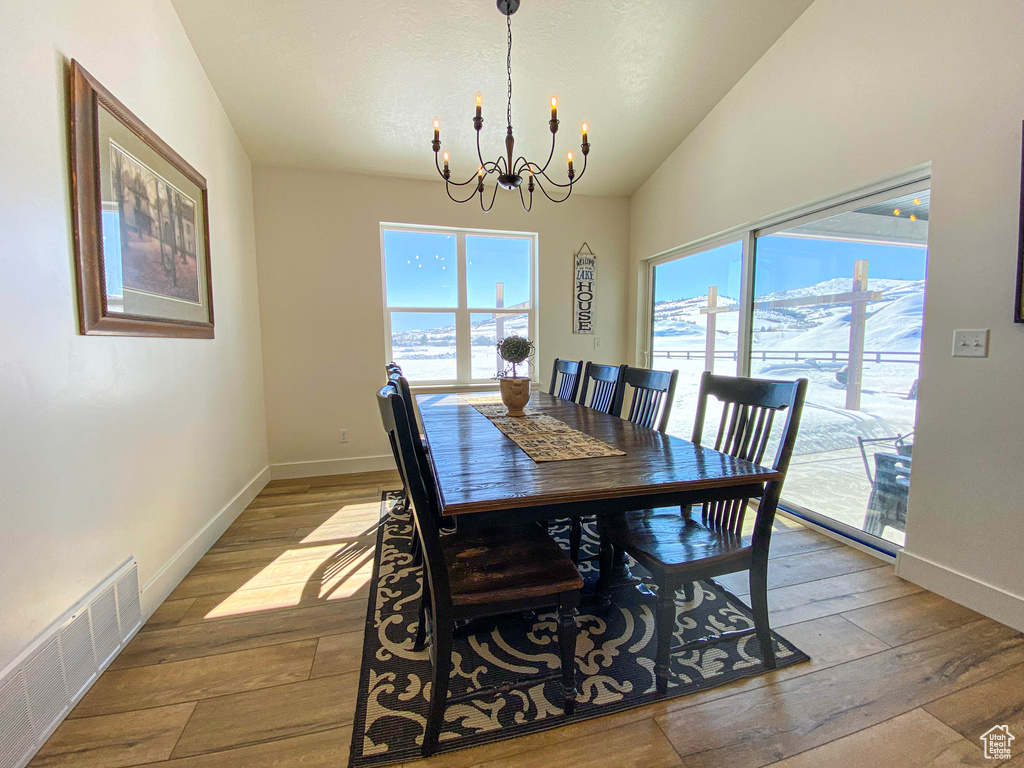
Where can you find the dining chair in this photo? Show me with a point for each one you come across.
(678, 550)
(393, 367)
(605, 379)
(650, 390)
(570, 383)
(474, 574)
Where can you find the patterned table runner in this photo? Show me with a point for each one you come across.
(541, 437)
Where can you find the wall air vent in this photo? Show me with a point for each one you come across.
(39, 688)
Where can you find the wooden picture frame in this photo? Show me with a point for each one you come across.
(134, 201)
(1018, 310)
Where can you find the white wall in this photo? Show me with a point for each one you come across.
(851, 93)
(321, 298)
(112, 447)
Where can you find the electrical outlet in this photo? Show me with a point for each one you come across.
(597, 342)
(970, 342)
(342, 435)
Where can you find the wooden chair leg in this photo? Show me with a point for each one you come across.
(606, 560)
(567, 603)
(417, 556)
(442, 652)
(575, 537)
(759, 605)
(688, 591)
(665, 625)
(421, 630)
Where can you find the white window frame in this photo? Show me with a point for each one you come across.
(462, 311)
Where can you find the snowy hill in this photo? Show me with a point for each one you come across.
(893, 323)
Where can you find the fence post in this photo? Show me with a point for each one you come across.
(858, 321)
(499, 322)
(709, 342)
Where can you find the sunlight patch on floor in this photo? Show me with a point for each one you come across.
(333, 573)
(351, 520)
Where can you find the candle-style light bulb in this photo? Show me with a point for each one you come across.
(479, 100)
(569, 157)
(584, 133)
(446, 161)
(554, 108)
(480, 171)
(437, 129)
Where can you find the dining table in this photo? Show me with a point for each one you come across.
(485, 479)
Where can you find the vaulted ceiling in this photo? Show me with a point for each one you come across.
(355, 86)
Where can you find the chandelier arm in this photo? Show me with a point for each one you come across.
(471, 180)
(448, 178)
(572, 181)
(491, 167)
(551, 154)
(522, 199)
(549, 197)
(494, 194)
(479, 154)
(455, 199)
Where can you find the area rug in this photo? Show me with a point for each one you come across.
(614, 655)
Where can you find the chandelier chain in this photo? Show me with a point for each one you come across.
(509, 64)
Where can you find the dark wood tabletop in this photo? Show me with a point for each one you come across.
(480, 470)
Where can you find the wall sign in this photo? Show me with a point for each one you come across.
(584, 286)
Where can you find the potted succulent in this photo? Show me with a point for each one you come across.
(515, 390)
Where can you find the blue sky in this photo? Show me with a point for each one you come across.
(784, 263)
(422, 271)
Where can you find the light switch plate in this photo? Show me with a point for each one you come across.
(597, 342)
(970, 342)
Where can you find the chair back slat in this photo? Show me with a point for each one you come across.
(604, 379)
(749, 407)
(402, 387)
(569, 385)
(422, 493)
(652, 394)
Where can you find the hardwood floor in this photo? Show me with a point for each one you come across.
(253, 662)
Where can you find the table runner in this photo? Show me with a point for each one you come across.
(540, 436)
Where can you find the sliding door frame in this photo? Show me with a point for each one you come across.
(913, 180)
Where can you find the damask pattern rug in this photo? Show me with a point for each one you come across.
(614, 654)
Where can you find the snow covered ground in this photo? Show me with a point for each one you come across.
(827, 473)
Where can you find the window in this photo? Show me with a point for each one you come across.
(450, 294)
(835, 296)
(689, 332)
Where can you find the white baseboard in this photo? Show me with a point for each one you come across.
(994, 602)
(163, 582)
(293, 469)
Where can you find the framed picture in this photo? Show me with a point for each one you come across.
(141, 222)
(1018, 310)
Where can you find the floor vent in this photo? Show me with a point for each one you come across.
(39, 688)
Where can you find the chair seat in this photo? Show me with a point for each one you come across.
(496, 565)
(672, 542)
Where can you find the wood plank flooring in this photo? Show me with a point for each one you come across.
(253, 661)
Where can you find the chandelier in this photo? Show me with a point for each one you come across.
(510, 171)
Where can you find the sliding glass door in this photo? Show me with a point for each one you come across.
(837, 297)
(695, 322)
(840, 300)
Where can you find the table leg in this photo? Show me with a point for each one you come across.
(615, 576)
